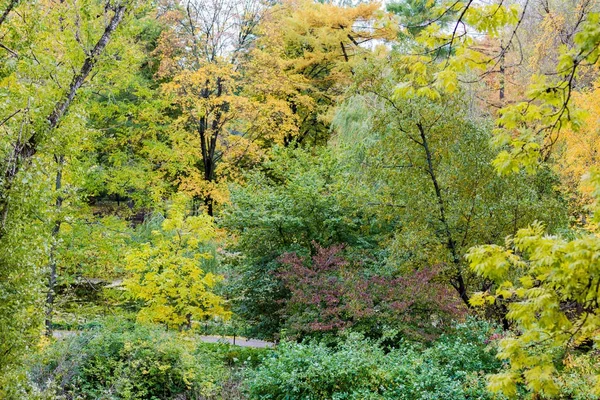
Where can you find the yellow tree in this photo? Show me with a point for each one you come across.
(313, 49)
(241, 79)
(167, 275)
(578, 150)
(203, 51)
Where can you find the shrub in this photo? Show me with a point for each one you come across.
(315, 371)
(235, 356)
(453, 368)
(124, 361)
(329, 294)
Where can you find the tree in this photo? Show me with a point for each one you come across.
(315, 48)
(215, 60)
(576, 151)
(300, 201)
(201, 51)
(52, 50)
(426, 165)
(167, 275)
(550, 285)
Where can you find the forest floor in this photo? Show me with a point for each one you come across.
(238, 341)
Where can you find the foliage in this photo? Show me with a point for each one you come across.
(327, 294)
(92, 247)
(312, 48)
(347, 151)
(425, 164)
(48, 52)
(442, 44)
(236, 356)
(576, 152)
(360, 369)
(551, 287)
(122, 360)
(531, 127)
(167, 273)
(299, 200)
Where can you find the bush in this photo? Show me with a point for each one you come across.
(313, 370)
(121, 360)
(236, 356)
(330, 294)
(453, 368)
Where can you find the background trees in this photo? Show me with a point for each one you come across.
(218, 119)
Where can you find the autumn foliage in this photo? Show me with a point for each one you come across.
(328, 293)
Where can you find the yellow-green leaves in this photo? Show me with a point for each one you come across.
(167, 274)
(491, 18)
(490, 261)
(505, 383)
(551, 288)
(446, 80)
(536, 123)
(449, 46)
(592, 179)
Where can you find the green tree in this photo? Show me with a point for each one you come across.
(299, 201)
(426, 164)
(52, 52)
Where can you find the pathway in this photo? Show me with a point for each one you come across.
(238, 341)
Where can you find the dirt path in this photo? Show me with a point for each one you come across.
(238, 341)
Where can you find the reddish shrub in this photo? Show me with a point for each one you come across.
(329, 294)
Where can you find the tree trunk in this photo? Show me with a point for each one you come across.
(55, 231)
(9, 7)
(502, 76)
(26, 150)
(458, 280)
(208, 145)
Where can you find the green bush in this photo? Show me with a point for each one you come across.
(452, 368)
(315, 371)
(121, 360)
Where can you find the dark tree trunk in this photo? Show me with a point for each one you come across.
(208, 144)
(7, 10)
(458, 281)
(502, 76)
(55, 231)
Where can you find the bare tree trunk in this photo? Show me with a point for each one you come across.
(9, 7)
(458, 280)
(502, 75)
(208, 144)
